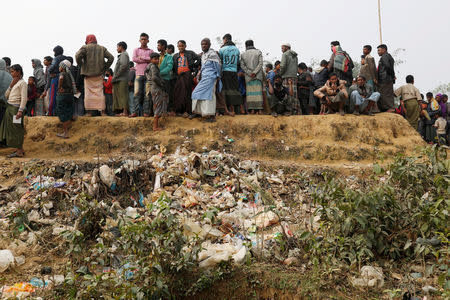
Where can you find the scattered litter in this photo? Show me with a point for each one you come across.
(370, 277)
(428, 289)
(291, 261)
(266, 219)
(19, 260)
(21, 290)
(38, 282)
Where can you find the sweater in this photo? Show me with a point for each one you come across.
(166, 66)
(252, 63)
(107, 84)
(122, 67)
(91, 58)
(289, 64)
(18, 95)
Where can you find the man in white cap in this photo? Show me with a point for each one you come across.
(288, 71)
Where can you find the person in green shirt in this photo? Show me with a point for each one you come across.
(165, 64)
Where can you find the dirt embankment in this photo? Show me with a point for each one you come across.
(328, 139)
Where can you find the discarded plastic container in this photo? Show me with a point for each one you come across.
(6, 260)
(107, 177)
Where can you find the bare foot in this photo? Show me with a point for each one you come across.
(157, 128)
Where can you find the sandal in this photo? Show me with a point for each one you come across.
(185, 115)
(62, 135)
(209, 120)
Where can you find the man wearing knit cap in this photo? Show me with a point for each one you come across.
(288, 71)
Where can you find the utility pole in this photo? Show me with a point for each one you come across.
(379, 21)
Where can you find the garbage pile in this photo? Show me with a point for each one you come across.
(234, 206)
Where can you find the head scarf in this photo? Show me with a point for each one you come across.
(336, 49)
(5, 79)
(2, 64)
(91, 39)
(58, 50)
(434, 104)
(37, 63)
(65, 64)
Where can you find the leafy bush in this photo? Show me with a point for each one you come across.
(396, 218)
(151, 260)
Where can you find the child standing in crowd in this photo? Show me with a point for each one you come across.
(32, 96)
(107, 85)
(441, 131)
(157, 89)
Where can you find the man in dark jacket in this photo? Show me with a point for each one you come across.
(386, 79)
(304, 87)
(185, 63)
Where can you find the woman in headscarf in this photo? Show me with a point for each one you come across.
(54, 75)
(38, 74)
(433, 112)
(11, 129)
(5, 80)
(64, 98)
(91, 58)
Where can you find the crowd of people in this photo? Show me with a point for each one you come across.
(209, 84)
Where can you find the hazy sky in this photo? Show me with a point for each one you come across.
(30, 29)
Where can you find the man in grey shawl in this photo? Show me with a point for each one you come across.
(252, 64)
